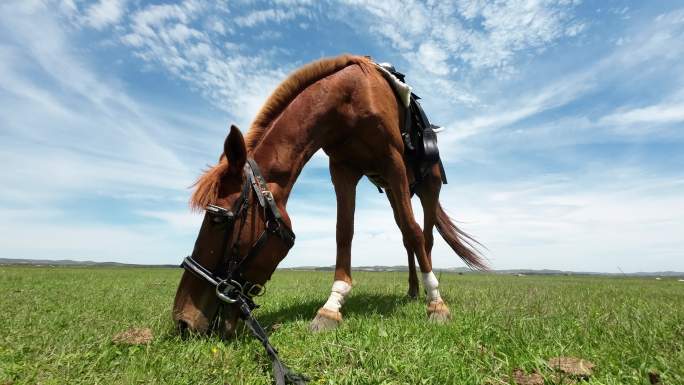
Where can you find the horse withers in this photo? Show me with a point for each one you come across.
(345, 106)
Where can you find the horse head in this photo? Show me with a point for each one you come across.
(243, 237)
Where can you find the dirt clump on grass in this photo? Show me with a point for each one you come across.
(134, 336)
(522, 378)
(568, 371)
(572, 366)
(276, 326)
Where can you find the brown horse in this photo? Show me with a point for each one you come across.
(346, 107)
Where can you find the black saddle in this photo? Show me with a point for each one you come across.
(420, 139)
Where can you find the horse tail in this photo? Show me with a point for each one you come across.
(461, 242)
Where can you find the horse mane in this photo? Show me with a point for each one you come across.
(207, 185)
(292, 86)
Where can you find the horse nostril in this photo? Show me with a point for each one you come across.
(182, 326)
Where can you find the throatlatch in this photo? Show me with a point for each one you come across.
(228, 280)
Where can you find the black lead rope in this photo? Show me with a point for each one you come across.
(282, 374)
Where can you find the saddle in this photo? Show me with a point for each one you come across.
(419, 135)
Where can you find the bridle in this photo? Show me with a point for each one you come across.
(230, 284)
(229, 280)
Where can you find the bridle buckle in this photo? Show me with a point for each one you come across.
(229, 291)
(255, 290)
(226, 288)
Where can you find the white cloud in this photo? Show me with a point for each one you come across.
(594, 221)
(104, 13)
(436, 38)
(433, 58)
(234, 82)
(452, 47)
(653, 46)
(68, 7)
(532, 102)
(662, 113)
(515, 25)
(597, 221)
(71, 133)
(480, 34)
(273, 15)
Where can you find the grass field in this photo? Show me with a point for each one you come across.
(56, 327)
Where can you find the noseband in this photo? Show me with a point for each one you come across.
(230, 285)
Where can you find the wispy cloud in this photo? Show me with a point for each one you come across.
(84, 97)
(662, 113)
(272, 15)
(651, 45)
(72, 135)
(594, 221)
(476, 33)
(450, 48)
(599, 220)
(233, 81)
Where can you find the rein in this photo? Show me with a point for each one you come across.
(230, 285)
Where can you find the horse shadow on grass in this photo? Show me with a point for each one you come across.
(359, 304)
(362, 304)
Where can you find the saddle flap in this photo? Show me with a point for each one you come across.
(430, 149)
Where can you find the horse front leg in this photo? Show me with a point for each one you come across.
(345, 180)
(413, 276)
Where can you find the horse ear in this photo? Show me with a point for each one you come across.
(235, 150)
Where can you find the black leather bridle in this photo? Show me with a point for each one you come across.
(229, 282)
(229, 279)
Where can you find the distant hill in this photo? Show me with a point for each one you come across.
(511, 271)
(69, 262)
(462, 270)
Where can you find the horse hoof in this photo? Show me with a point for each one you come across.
(325, 320)
(438, 312)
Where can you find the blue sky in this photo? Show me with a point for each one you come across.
(563, 141)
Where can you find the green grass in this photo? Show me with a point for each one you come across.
(56, 326)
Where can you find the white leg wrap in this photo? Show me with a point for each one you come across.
(340, 289)
(431, 286)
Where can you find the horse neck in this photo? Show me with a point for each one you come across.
(282, 153)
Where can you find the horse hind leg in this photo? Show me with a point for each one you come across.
(414, 238)
(344, 180)
(428, 193)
